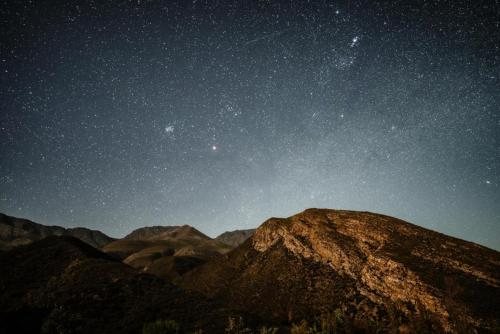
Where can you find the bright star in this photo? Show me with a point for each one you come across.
(355, 41)
(214, 148)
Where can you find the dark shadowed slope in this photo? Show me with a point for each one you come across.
(62, 285)
(375, 271)
(235, 238)
(16, 231)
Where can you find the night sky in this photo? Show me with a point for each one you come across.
(220, 114)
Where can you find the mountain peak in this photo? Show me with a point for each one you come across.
(166, 232)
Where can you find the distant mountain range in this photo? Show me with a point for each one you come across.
(165, 251)
(16, 231)
(320, 271)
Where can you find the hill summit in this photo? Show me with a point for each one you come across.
(153, 233)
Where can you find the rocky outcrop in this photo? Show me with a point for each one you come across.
(235, 238)
(16, 231)
(366, 265)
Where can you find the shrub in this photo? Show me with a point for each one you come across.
(268, 330)
(301, 328)
(198, 331)
(161, 327)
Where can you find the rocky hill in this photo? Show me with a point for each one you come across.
(357, 271)
(16, 231)
(235, 238)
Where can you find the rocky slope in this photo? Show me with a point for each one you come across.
(62, 285)
(235, 238)
(370, 271)
(16, 231)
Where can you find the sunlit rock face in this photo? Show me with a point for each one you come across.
(367, 265)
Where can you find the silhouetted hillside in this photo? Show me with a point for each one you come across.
(16, 231)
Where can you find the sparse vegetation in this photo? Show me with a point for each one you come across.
(198, 331)
(162, 327)
(235, 325)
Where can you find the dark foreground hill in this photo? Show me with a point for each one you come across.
(62, 285)
(357, 271)
(17, 231)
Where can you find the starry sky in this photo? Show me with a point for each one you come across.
(220, 114)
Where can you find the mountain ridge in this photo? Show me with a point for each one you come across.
(18, 231)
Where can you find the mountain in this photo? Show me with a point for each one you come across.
(63, 285)
(330, 271)
(16, 231)
(235, 238)
(166, 251)
(357, 271)
(152, 233)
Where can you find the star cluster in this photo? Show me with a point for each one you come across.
(220, 114)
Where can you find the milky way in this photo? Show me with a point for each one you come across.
(220, 114)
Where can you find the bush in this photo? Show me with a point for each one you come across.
(327, 323)
(301, 328)
(161, 327)
(266, 330)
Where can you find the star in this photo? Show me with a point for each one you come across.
(214, 148)
(355, 41)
